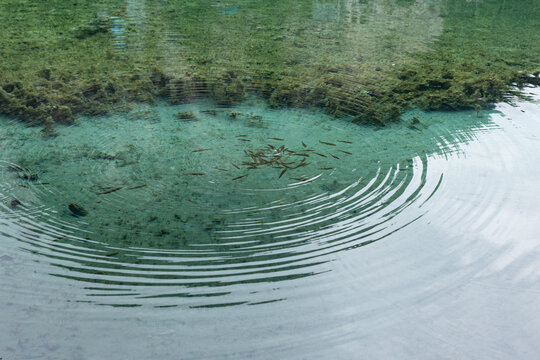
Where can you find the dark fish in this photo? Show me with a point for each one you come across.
(201, 150)
(110, 191)
(241, 135)
(239, 177)
(300, 179)
(283, 172)
(273, 138)
(42, 183)
(327, 168)
(345, 152)
(194, 173)
(236, 166)
(327, 143)
(29, 177)
(222, 169)
(77, 210)
(112, 254)
(320, 154)
(136, 187)
(334, 156)
(12, 168)
(304, 144)
(345, 141)
(244, 140)
(211, 112)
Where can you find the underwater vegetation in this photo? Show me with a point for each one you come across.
(368, 61)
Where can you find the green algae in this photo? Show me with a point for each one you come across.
(368, 60)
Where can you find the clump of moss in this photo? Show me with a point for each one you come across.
(49, 130)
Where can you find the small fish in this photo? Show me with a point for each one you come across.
(239, 177)
(29, 177)
(334, 156)
(42, 183)
(326, 168)
(12, 168)
(110, 191)
(77, 210)
(211, 112)
(304, 144)
(345, 141)
(194, 173)
(236, 166)
(300, 179)
(283, 172)
(241, 135)
(112, 254)
(327, 143)
(345, 152)
(136, 187)
(244, 140)
(273, 138)
(199, 150)
(221, 169)
(320, 154)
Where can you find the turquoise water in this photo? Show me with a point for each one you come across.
(177, 204)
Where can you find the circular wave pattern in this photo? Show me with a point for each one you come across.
(194, 204)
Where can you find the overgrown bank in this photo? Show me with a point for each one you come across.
(60, 60)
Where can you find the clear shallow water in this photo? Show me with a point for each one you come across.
(454, 273)
(190, 208)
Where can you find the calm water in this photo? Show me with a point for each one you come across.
(214, 229)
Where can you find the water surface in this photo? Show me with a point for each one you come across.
(230, 179)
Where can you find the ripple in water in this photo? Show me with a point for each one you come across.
(194, 201)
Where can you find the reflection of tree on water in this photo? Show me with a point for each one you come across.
(133, 16)
(406, 26)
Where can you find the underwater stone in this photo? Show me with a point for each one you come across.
(15, 203)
